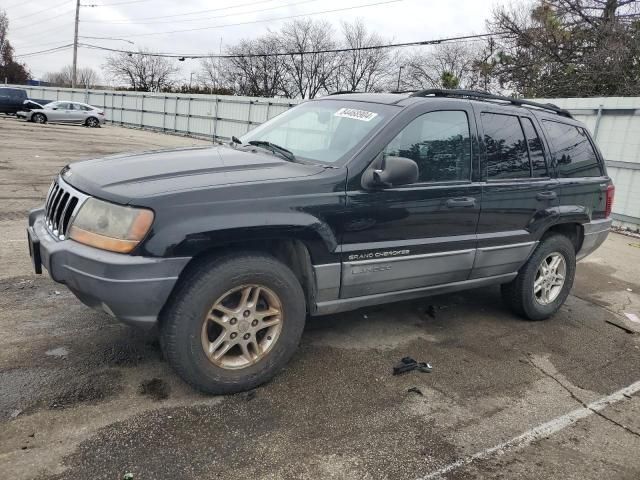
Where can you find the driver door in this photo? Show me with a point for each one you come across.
(412, 236)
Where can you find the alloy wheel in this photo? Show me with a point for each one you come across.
(242, 326)
(550, 278)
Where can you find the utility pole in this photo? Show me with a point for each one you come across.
(399, 74)
(75, 47)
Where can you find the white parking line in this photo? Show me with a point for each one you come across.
(541, 431)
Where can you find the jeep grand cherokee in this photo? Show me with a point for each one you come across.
(341, 202)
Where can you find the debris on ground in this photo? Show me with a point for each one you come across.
(415, 390)
(632, 317)
(15, 413)
(408, 364)
(155, 388)
(128, 476)
(57, 352)
(630, 323)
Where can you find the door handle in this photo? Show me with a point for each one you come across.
(462, 202)
(542, 196)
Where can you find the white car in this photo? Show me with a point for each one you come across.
(66, 112)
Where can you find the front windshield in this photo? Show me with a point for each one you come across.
(323, 131)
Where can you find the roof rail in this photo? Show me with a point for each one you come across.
(342, 92)
(480, 95)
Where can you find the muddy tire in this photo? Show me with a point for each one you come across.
(544, 282)
(233, 322)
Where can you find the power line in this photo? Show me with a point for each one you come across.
(42, 11)
(31, 24)
(42, 52)
(265, 20)
(117, 3)
(190, 13)
(459, 39)
(19, 4)
(209, 18)
(464, 38)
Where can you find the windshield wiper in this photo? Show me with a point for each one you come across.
(287, 154)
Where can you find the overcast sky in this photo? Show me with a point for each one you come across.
(41, 24)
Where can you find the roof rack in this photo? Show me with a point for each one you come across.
(486, 96)
(342, 92)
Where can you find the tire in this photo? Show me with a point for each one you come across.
(185, 329)
(519, 294)
(39, 118)
(92, 122)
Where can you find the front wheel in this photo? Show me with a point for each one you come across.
(233, 322)
(544, 282)
(39, 118)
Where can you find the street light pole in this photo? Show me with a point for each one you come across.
(75, 47)
(399, 73)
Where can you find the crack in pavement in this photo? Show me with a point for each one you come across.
(541, 369)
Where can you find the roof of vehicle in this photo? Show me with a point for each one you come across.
(405, 98)
(384, 98)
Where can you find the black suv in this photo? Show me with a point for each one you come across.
(12, 100)
(341, 202)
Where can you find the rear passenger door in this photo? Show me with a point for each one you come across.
(75, 113)
(519, 196)
(581, 174)
(422, 234)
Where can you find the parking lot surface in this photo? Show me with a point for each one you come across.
(82, 396)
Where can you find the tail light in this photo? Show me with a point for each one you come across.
(611, 190)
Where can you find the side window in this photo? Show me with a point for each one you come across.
(536, 150)
(439, 142)
(574, 153)
(507, 155)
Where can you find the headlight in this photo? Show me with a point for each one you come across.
(110, 227)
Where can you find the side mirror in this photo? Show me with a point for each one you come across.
(391, 172)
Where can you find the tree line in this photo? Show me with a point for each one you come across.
(548, 48)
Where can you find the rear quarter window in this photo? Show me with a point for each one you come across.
(573, 152)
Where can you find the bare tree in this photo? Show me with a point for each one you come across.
(86, 77)
(445, 66)
(142, 71)
(257, 69)
(210, 73)
(363, 69)
(309, 72)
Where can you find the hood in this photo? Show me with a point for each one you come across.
(125, 178)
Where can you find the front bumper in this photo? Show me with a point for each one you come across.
(595, 233)
(131, 288)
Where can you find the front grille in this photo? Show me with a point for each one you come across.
(61, 206)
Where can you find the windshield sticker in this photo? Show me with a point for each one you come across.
(355, 114)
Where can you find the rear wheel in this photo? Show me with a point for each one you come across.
(92, 122)
(234, 322)
(544, 282)
(39, 118)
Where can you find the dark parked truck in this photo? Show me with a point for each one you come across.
(339, 203)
